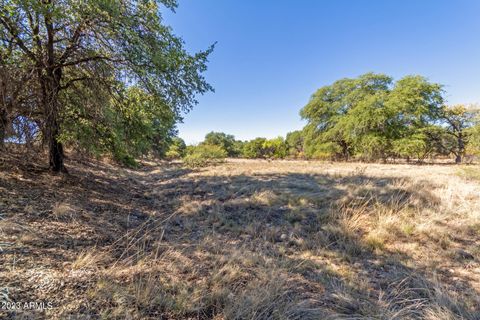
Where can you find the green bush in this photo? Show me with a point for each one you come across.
(176, 149)
(275, 148)
(263, 148)
(295, 142)
(322, 150)
(124, 158)
(414, 146)
(204, 155)
(254, 148)
(222, 140)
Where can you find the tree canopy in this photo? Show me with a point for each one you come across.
(373, 117)
(89, 64)
(224, 141)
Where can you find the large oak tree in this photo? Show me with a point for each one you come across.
(92, 46)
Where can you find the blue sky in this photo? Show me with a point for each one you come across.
(272, 55)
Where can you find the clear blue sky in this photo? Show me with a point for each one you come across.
(273, 54)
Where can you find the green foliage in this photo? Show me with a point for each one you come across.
(238, 148)
(176, 149)
(370, 117)
(203, 155)
(414, 146)
(263, 148)
(253, 149)
(110, 77)
(225, 141)
(473, 147)
(461, 121)
(275, 148)
(295, 144)
(323, 150)
(124, 158)
(126, 129)
(333, 112)
(371, 146)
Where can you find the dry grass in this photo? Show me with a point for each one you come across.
(243, 240)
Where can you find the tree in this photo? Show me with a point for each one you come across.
(274, 148)
(415, 106)
(223, 140)
(459, 119)
(370, 117)
(253, 149)
(99, 44)
(204, 154)
(265, 148)
(238, 148)
(295, 141)
(177, 148)
(332, 113)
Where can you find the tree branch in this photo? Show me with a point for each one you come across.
(88, 59)
(72, 81)
(5, 21)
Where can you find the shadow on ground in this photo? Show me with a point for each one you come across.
(257, 246)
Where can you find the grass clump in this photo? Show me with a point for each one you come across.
(470, 173)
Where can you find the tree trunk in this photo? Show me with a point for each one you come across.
(51, 87)
(55, 148)
(458, 159)
(2, 137)
(3, 128)
(461, 149)
(52, 127)
(345, 153)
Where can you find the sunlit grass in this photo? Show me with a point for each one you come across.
(272, 240)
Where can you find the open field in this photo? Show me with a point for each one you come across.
(241, 240)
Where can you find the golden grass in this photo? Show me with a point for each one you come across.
(269, 240)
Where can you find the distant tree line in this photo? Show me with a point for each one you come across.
(108, 78)
(369, 118)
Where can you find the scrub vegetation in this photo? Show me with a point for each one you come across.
(371, 211)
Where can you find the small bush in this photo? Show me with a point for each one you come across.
(263, 148)
(126, 159)
(204, 155)
(176, 149)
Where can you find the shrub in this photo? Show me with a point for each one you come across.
(411, 147)
(295, 141)
(123, 157)
(473, 146)
(203, 155)
(275, 148)
(322, 150)
(254, 148)
(177, 149)
(263, 148)
(222, 140)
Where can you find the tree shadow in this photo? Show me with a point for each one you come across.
(260, 209)
(282, 217)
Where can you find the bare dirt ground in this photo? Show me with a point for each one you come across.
(241, 240)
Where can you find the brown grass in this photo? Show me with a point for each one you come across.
(242, 240)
